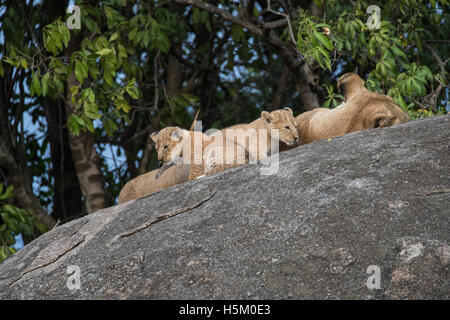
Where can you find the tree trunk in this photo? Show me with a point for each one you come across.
(14, 168)
(84, 155)
(67, 199)
(281, 88)
(85, 159)
(174, 73)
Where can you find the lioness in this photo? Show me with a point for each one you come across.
(205, 154)
(147, 183)
(361, 110)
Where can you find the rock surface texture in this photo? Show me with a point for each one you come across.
(374, 198)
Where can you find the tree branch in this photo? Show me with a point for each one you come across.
(224, 14)
(436, 57)
(287, 19)
(292, 57)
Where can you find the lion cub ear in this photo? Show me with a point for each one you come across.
(289, 110)
(177, 134)
(154, 137)
(266, 116)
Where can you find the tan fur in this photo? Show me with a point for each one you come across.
(147, 183)
(361, 110)
(281, 120)
(207, 154)
(151, 182)
(222, 154)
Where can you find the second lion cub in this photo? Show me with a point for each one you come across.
(266, 135)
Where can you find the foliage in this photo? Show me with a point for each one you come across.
(312, 40)
(333, 99)
(13, 222)
(396, 56)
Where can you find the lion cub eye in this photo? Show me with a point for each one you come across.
(287, 128)
(166, 146)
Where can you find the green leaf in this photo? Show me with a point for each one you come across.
(326, 57)
(79, 120)
(300, 41)
(104, 52)
(89, 23)
(383, 69)
(397, 51)
(362, 39)
(107, 75)
(237, 33)
(88, 94)
(348, 45)
(324, 40)
(401, 102)
(3, 254)
(114, 36)
(44, 81)
(418, 88)
(110, 126)
(55, 42)
(318, 59)
(90, 125)
(122, 51)
(73, 125)
(196, 16)
(79, 74)
(9, 192)
(132, 34)
(91, 110)
(23, 63)
(65, 33)
(190, 97)
(122, 104)
(132, 90)
(321, 25)
(36, 85)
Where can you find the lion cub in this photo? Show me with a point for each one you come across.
(204, 154)
(361, 110)
(266, 135)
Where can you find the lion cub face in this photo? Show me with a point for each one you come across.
(168, 143)
(283, 120)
